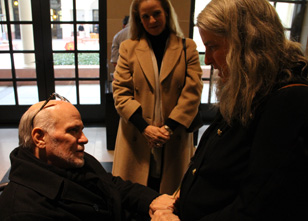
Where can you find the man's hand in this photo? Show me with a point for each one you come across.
(164, 215)
(163, 202)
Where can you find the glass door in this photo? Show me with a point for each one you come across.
(77, 54)
(48, 46)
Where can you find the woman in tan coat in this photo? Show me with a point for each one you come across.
(156, 100)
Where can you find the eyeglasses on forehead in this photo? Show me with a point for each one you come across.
(52, 96)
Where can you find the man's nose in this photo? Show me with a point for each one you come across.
(83, 139)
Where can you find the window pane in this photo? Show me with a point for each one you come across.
(62, 37)
(198, 40)
(22, 36)
(285, 12)
(67, 89)
(7, 93)
(89, 92)
(25, 66)
(2, 11)
(16, 14)
(64, 65)
(88, 71)
(5, 64)
(199, 6)
(61, 10)
(4, 43)
(206, 92)
(27, 92)
(86, 10)
(88, 65)
(287, 34)
(87, 38)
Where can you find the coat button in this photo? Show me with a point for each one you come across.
(96, 207)
(193, 171)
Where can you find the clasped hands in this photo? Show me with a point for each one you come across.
(162, 208)
(156, 136)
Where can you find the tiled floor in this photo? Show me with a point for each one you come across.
(96, 145)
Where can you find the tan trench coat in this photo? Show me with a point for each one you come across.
(134, 86)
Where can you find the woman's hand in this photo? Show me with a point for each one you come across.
(162, 208)
(164, 215)
(156, 136)
(163, 202)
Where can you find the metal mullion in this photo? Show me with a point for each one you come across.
(75, 52)
(191, 20)
(66, 79)
(42, 25)
(90, 79)
(9, 31)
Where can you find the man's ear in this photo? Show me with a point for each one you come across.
(38, 137)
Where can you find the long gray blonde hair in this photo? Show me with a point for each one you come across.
(259, 54)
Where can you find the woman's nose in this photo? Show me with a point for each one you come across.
(152, 19)
(207, 58)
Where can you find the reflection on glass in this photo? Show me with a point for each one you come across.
(27, 92)
(7, 96)
(89, 92)
(22, 36)
(4, 42)
(206, 92)
(62, 37)
(2, 11)
(5, 66)
(20, 10)
(198, 40)
(287, 34)
(88, 38)
(199, 6)
(64, 65)
(25, 66)
(67, 89)
(285, 12)
(61, 10)
(88, 65)
(86, 10)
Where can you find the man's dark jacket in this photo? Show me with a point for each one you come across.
(38, 191)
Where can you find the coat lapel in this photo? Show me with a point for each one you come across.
(171, 57)
(145, 60)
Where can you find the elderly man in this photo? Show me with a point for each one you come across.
(53, 178)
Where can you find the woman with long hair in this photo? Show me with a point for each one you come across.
(252, 162)
(157, 90)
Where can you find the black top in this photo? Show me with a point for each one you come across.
(257, 172)
(38, 191)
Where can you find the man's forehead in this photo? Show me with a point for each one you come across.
(56, 107)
